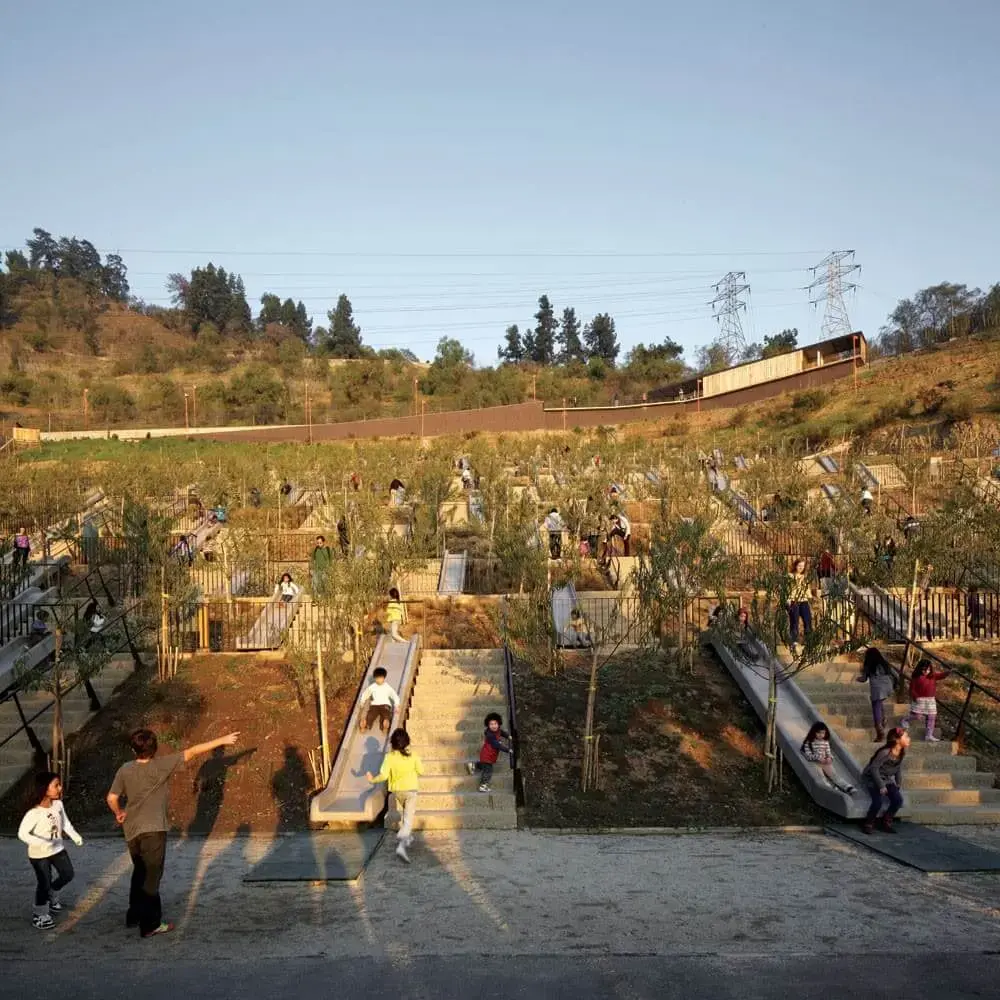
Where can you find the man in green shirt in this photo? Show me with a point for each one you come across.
(319, 563)
(144, 785)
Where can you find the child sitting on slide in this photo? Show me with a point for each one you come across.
(816, 748)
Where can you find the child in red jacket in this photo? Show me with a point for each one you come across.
(923, 697)
(495, 742)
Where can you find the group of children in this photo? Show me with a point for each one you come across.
(401, 767)
(882, 776)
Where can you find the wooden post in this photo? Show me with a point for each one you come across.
(323, 735)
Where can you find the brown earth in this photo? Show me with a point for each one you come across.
(261, 785)
(676, 749)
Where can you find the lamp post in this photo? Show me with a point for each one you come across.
(187, 425)
(86, 409)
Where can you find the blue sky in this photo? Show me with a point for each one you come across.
(445, 163)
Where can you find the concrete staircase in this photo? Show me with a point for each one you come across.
(454, 691)
(16, 756)
(941, 785)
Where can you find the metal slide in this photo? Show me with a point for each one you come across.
(274, 621)
(564, 600)
(796, 713)
(348, 797)
(452, 578)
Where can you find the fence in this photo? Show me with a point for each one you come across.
(938, 615)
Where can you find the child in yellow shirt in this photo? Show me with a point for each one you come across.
(401, 770)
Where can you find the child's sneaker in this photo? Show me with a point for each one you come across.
(401, 852)
(484, 787)
(470, 766)
(55, 903)
(165, 928)
(42, 922)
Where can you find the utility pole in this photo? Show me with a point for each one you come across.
(829, 286)
(727, 305)
(309, 415)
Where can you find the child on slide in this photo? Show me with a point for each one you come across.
(816, 748)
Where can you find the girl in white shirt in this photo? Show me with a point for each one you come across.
(286, 589)
(42, 829)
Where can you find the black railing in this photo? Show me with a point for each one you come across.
(938, 615)
(976, 700)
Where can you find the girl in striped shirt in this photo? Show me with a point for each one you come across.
(816, 748)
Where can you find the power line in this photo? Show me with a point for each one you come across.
(829, 286)
(444, 255)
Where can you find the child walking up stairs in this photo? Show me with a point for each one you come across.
(455, 691)
(941, 784)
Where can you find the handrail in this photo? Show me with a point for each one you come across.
(515, 752)
(895, 635)
(18, 686)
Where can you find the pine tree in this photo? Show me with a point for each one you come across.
(601, 338)
(343, 340)
(543, 343)
(570, 346)
(513, 351)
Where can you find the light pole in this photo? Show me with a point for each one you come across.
(194, 405)
(86, 409)
(187, 425)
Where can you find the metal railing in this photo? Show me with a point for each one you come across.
(975, 704)
(938, 615)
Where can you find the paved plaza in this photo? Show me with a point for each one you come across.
(775, 902)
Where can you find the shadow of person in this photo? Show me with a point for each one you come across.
(210, 786)
(371, 757)
(290, 787)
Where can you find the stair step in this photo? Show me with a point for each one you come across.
(446, 819)
(455, 681)
(951, 796)
(450, 656)
(468, 800)
(961, 779)
(438, 784)
(453, 766)
(425, 742)
(953, 815)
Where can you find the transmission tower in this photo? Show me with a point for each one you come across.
(726, 308)
(829, 285)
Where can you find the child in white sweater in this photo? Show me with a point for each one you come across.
(42, 829)
(383, 701)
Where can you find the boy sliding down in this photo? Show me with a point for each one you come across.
(383, 701)
(495, 742)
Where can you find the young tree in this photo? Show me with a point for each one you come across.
(684, 561)
(601, 340)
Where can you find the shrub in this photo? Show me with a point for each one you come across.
(958, 407)
(808, 400)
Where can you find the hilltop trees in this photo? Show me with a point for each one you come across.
(939, 313)
(211, 295)
(289, 315)
(68, 273)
